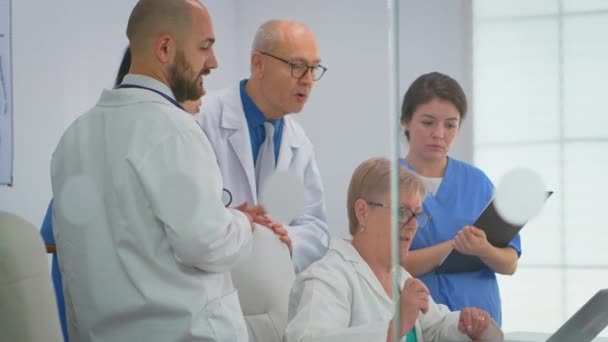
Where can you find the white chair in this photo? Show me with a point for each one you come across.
(263, 282)
(28, 311)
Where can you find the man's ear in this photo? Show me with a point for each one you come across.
(257, 65)
(361, 212)
(164, 48)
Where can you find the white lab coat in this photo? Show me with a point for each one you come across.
(223, 120)
(135, 266)
(339, 299)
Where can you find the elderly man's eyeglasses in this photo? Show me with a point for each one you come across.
(299, 69)
(406, 215)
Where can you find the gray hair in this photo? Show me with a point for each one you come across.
(267, 36)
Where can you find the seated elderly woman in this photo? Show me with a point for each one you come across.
(346, 296)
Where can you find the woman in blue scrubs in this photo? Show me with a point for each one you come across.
(432, 111)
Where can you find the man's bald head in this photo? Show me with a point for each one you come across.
(151, 18)
(283, 54)
(272, 33)
(172, 41)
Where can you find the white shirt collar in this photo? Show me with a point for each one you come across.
(148, 82)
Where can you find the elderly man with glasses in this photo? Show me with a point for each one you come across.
(254, 136)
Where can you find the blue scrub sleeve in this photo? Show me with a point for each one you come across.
(516, 244)
(47, 226)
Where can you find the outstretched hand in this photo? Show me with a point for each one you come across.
(254, 213)
(277, 228)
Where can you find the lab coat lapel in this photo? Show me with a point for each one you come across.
(366, 272)
(233, 119)
(239, 140)
(291, 141)
(362, 268)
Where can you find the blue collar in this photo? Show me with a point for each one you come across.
(254, 115)
(445, 190)
(255, 123)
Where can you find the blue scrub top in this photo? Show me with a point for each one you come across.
(463, 194)
(47, 236)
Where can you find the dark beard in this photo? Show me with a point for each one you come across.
(183, 88)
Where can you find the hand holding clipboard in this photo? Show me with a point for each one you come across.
(499, 232)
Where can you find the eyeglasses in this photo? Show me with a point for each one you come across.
(406, 215)
(299, 69)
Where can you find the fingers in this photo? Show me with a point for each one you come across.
(469, 235)
(242, 207)
(415, 285)
(474, 231)
(473, 322)
(416, 293)
(264, 221)
(258, 210)
(461, 243)
(279, 230)
(255, 211)
(423, 302)
(465, 324)
(474, 234)
(470, 240)
(276, 227)
(286, 240)
(480, 324)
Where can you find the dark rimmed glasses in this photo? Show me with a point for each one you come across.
(299, 69)
(406, 215)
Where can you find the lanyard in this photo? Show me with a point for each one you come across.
(169, 98)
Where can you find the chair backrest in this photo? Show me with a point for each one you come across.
(263, 283)
(28, 311)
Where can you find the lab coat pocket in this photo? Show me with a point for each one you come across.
(226, 318)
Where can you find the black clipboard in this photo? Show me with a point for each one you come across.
(498, 232)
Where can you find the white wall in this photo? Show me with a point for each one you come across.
(66, 51)
(436, 35)
(223, 14)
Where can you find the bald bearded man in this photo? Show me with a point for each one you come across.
(145, 244)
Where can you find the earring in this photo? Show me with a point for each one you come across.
(361, 228)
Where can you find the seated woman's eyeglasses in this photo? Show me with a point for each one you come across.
(406, 215)
(299, 69)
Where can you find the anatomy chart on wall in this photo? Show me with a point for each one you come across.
(6, 95)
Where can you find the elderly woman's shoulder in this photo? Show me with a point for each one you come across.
(337, 261)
